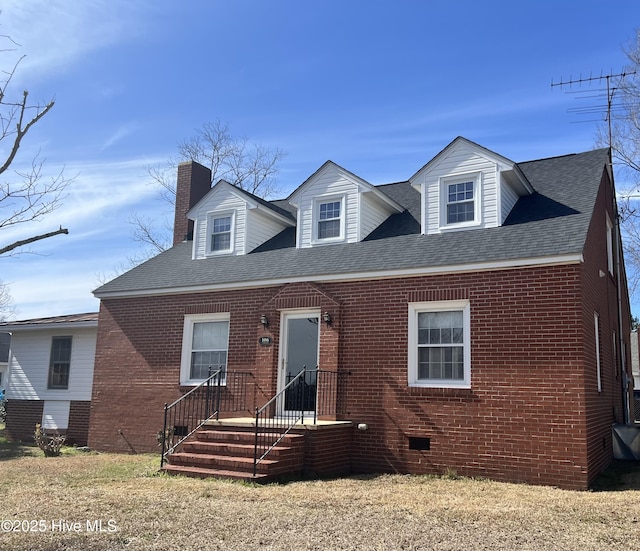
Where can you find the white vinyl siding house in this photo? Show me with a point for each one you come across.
(31, 361)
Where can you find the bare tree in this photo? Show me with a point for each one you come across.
(247, 165)
(621, 132)
(25, 193)
(7, 306)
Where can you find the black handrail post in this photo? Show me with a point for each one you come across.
(164, 435)
(301, 393)
(315, 401)
(220, 373)
(208, 394)
(255, 447)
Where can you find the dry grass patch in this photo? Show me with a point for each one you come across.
(156, 512)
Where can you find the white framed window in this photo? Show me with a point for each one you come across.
(60, 363)
(328, 219)
(220, 234)
(460, 201)
(205, 344)
(609, 245)
(439, 344)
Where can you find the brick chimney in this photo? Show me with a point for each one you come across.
(194, 181)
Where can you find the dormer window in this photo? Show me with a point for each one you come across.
(460, 201)
(460, 205)
(329, 219)
(220, 233)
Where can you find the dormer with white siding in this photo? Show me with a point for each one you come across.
(231, 221)
(336, 206)
(467, 186)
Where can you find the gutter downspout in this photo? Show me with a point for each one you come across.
(618, 262)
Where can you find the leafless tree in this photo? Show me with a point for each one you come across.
(7, 306)
(25, 193)
(249, 166)
(621, 131)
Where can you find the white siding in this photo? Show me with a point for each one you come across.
(363, 210)
(509, 198)
(328, 184)
(260, 228)
(29, 364)
(461, 161)
(372, 214)
(55, 414)
(222, 200)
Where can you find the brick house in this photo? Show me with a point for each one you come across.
(50, 374)
(472, 318)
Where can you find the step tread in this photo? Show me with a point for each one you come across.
(218, 457)
(205, 472)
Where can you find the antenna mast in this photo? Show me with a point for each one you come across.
(610, 91)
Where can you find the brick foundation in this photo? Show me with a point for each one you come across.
(22, 417)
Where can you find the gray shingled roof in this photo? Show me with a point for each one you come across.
(551, 222)
(86, 318)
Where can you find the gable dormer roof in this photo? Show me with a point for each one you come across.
(363, 185)
(509, 168)
(252, 201)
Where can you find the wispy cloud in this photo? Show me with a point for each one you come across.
(55, 34)
(120, 133)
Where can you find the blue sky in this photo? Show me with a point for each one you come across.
(379, 87)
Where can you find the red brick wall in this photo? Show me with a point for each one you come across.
(78, 428)
(599, 294)
(22, 417)
(327, 452)
(522, 420)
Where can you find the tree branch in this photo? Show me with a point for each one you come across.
(24, 242)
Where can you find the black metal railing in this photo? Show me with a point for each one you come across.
(221, 391)
(307, 395)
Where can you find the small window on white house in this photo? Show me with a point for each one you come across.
(460, 200)
(204, 346)
(220, 233)
(329, 220)
(439, 344)
(60, 363)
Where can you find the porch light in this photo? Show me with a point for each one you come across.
(264, 320)
(326, 317)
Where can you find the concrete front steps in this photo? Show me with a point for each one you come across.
(226, 451)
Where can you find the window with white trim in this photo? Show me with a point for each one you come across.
(220, 238)
(460, 201)
(328, 219)
(205, 344)
(60, 363)
(439, 344)
(609, 245)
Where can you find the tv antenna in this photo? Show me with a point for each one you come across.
(603, 96)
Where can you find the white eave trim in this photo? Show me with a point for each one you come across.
(47, 326)
(356, 276)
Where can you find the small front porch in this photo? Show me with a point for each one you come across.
(226, 449)
(300, 431)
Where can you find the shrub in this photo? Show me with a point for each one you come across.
(3, 410)
(49, 444)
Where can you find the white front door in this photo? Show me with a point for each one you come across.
(299, 347)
